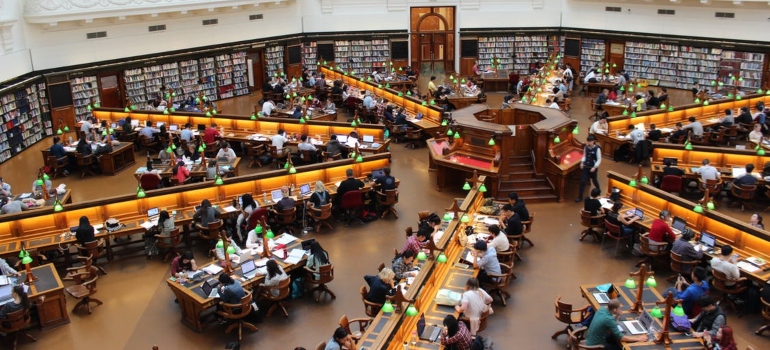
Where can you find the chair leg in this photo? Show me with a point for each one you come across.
(762, 329)
(525, 239)
(564, 331)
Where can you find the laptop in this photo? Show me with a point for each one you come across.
(173, 127)
(4, 280)
(707, 242)
(279, 106)
(153, 214)
(245, 255)
(135, 122)
(276, 195)
(210, 288)
(679, 224)
(249, 269)
(368, 138)
(240, 201)
(5, 294)
(342, 138)
(202, 127)
(223, 159)
(604, 298)
(639, 213)
(430, 332)
(114, 126)
(639, 326)
(305, 190)
(376, 173)
(161, 124)
(670, 159)
(419, 116)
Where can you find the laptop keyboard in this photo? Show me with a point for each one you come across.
(636, 326)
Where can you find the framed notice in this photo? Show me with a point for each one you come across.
(616, 48)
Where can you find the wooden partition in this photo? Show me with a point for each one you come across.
(663, 119)
(29, 225)
(723, 158)
(747, 240)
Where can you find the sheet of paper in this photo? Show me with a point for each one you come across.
(739, 171)
(489, 221)
(230, 209)
(666, 130)
(437, 236)
(747, 266)
(147, 225)
(212, 269)
(25, 195)
(469, 256)
(285, 239)
(191, 274)
(261, 262)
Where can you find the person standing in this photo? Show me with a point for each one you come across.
(589, 166)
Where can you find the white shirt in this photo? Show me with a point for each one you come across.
(278, 140)
(252, 240)
(554, 105)
(598, 128)
(267, 108)
(86, 126)
(755, 136)
(306, 146)
(230, 154)
(729, 269)
(591, 75)
(500, 242)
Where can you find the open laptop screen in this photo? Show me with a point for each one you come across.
(679, 224)
(377, 173)
(276, 195)
(304, 189)
(248, 266)
(638, 212)
(153, 211)
(707, 239)
(368, 138)
(173, 127)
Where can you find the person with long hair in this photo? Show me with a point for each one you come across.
(275, 275)
(206, 213)
(318, 256)
(180, 172)
(165, 226)
(456, 334)
(85, 232)
(756, 221)
(722, 341)
(20, 301)
(320, 196)
(475, 301)
(183, 263)
(248, 206)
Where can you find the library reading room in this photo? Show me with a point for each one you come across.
(384, 174)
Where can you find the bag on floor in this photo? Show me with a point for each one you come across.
(481, 343)
(297, 288)
(150, 249)
(680, 323)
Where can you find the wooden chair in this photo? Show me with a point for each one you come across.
(502, 281)
(352, 204)
(371, 309)
(397, 132)
(591, 223)
(57, 165)
(94, 249)
(701, 140)
(718, 138)
(595, 115)
(681, 267)
(714, 186)
(414, 138)
(388, 199)
(320, 278)
(743, 194)
(362, 323)
(14, 325)
(321, 216)
(276, 300)
(507, 256)
(175, 239)
(720, 283)
(254, 152)
(149, 181)
(651, 250)
(74, 273)
(567, 315)
(678, 140)
(210, 233)
(86, 164)
(286, 218)
(482, 321)
(575, 341)
(337, 99)
(328, 157)
(321, 346)
(129, 137)
(83, 291)
(279, 155)
(613, 232)
(731, 134)
(765, 315)
(237, 313)
(671, 184)
(527, 228)
(308, 156)
(516, 240)
(148, 144)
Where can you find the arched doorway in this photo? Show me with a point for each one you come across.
(433, 39)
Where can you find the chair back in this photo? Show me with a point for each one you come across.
(149, 181)
(237, 311)
(575, 338)
(278, 153)
(15, 321)
(765, 309)
(671, 183)
(422, 215)
(589, 221)
(413, 134)
(286, 216)
(593, 105)
(321, 346)
(650, 247)
(390, 197)
(612, 229)
(322, 213)
(679, 266)
(527, 225)
(563, 311)
(744, 192)
(84, 160)
(714, 186)
(256, 217)
(212, 230)
(720, 280)
(328, 157)
(283, 290)
(352, 199)
(175, 238)
(128, 136)
(93, 249)
(506, 256)
(90, 283)
(306, 155)
(326, 273)
(146, 141)
(371, 309)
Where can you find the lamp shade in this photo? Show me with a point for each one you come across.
(662, 106)
(253, 116)
(645, 180)
(655, 312)
(59, 132)
(208, 114)
(258, 229)
(444, 122)
(58, 207)
(359, 158)
(411, 311)
(651, 282)
(353, 123)
(678, 311)
(421, 256)
(387, 307)
(104, 132)
(491, 141)
(466, 187)
(630, 283)
(482, 188)
(39, 182)
(698, 208)
(761, 152)
(632, 183)
(219, 181)
(556, 139)
(269, 233)
(457, 135)
(465, 219)
(710, 205)
(200, 148)
(292, 170)
(625, 112)
(169, 150)
(141, 193)
(441, 258)
(697, 100)
(688, 146)
(26, 259)
(633, 114)
(230, 249)
(302, 120)
(670, 108)
(220, 244)
(449, 132)
(45, 176)
(576, 130)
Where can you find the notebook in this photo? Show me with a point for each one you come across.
(368, 138)
(304, 190)
(602, 298)
(639, 326)
(429, 332)
(276, 195)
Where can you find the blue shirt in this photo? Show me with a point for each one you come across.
(57, 150)
(232, 293)
(186, 135)
(691, 295)
(368, 102)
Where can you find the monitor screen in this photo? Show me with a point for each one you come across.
(673, 161)
(153, 212)
(638, 212)
(377, 173)
(368, 138)
(679, 224)
(248, 266)
(304, 189)
(276, 195)
(114, 125)
(173, 127)
(419, 116)
(707, 239)
(135, 122)
(342, 138)
(240, 201)
(161, 124)
(201, 127)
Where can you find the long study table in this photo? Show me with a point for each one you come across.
(197, 169)
(121, 157)
(722, 158)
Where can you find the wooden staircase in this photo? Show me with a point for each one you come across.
(521, 178)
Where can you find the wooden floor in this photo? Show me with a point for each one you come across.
(139, 309)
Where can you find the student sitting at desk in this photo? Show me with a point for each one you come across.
(695, 126)
(206, 213)
(278, 88)
(475, 69)
(334, 147)
(211, 134)
(510, 221)
(401, 118)
(592, 203)
(337, 88)
(180, 172)
(486, 261)
(727, 120)
(604, 328)
(386, 182)
(745, 116)
(497, 240)
(9, 206)
(220, 251)
(654, 134)
(37, 188)
(83, 146)
(231, 291)
(19, 301)
(519, 207)
(349, 184)
(455, 334)
(183, 263)
(600, 126)
(368, 101)
(268, 107)
(84, 232)
(86, 126)
(320, 195)
(306, 145)
(432, 224)
(279, 139)
(726, 264)
(634, 135)
(641, 104)
(388, 114)
(286, 201)
(651, 100)
(708, 172)
(722, 341)
(662, 96)
(297, 114)
(414, 243)
(165, 226)
(275, 275)
(340, 340)
(380, 286)
(248, 206)
(163, 155)
(622, 220)
(330, 107)
(686, 250)
(601, 100)
(148, 131)
(660, 231)
(470, 89)
(376, 76)
(127, 127)
(211, 170)
(690, 292)
(558, 94)
(475, 301)
(756, 221)
(318, 257)
(590, 77)
(670, 170)
(756, 134)
(678, 132)
(747, 179)
(226, 152)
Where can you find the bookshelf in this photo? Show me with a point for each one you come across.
(274, 60)
(153, 80)
(697, 64)
(642, 60)
(83, 89)
(188, 78)
(529, 49)
(742, 65)
(134, 80)
(240, 74)
(171, 79)
(26, 119)
(361, 56)
(309, 55)
(496, 47)
(592, 52)
(208, 78)
(224, 75)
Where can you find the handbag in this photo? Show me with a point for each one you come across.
(113, 225)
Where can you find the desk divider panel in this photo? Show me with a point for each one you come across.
(718, 156)
(122, 210)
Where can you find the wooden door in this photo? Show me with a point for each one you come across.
(257, 68)
(110, 91)
(433, 39)
(433, 52)
(615, 54)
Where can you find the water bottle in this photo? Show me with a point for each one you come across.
(264, 197)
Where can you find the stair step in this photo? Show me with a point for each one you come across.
(521, 174)
(517, 183)
(535, 198)
(527, 158)
(521, 167)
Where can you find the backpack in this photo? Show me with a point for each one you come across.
(481, 343)
(297, 288)
(587, 322)
(680, 323)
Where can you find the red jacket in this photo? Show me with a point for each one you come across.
(661, 232)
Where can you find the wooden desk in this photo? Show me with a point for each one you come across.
(747, 241)
(594, 89)
(723, 158)
(462, 101)
(121, 157)
(64, 198)
(193, 302)
(316, 114)
(495, 82)
(48, 294)
(616, 109)
(391, 330)
(380, 145)
(198, 169)
(627, 298)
